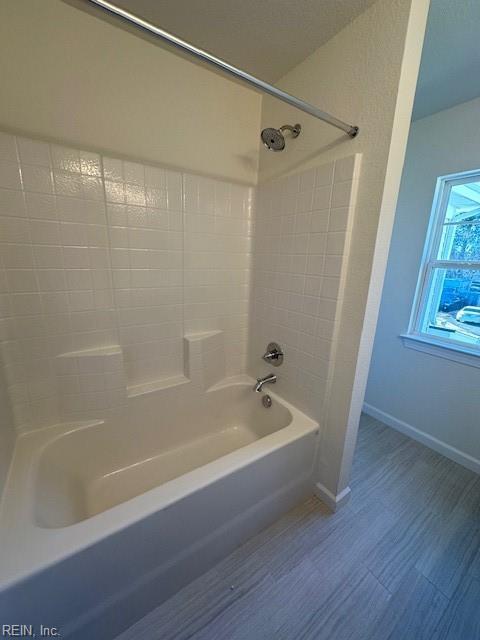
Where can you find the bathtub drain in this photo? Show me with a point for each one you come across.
(267, 401)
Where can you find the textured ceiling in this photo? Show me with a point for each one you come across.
(450, 66)
(270, 37)
(266, 37)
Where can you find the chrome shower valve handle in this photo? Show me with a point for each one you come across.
(274, 354)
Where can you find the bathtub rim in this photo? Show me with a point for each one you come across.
(39, 548)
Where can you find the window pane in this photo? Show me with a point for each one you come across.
(464, 202)
(453, 306)
(460, 242)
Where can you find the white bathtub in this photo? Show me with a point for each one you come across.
(102, 521)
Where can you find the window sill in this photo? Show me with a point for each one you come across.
(439, 348)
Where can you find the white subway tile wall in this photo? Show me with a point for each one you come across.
(145, 223)
(218, 246)
(98, 251)
(302, 230)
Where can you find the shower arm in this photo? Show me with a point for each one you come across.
(295, 131)
(218, 63)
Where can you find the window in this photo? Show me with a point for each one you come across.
(447, 302)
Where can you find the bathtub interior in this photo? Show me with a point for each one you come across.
(86, 471)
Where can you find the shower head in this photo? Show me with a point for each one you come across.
(274, 139)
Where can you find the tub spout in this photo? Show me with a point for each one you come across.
(270, 379)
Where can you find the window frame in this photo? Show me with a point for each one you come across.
(416, 337)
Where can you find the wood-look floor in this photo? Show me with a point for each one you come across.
(400, 561)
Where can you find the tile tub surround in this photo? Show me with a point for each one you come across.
(145, 224)
(98, 252)
(218, 248)
(302, 236)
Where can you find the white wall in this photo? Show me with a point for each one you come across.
(302, 239)
(96, 253)
(357, 76)
(438, 397)
(74, 78)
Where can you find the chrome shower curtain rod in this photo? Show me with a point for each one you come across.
(204, 56)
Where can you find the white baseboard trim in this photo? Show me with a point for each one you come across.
(445, 449)
(332, 501)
